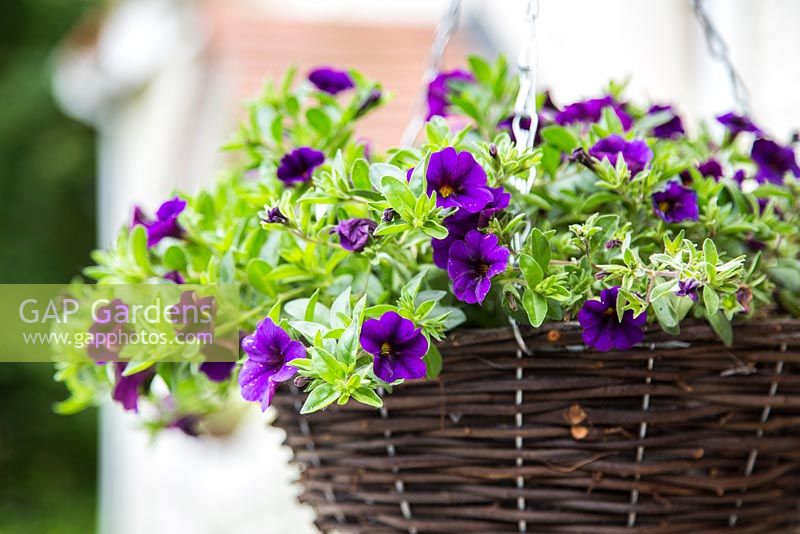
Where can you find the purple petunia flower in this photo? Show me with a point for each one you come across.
(739, 176)
(472, 264)
(217, 371)
(397, 347)
(354, 234)
(127, 388)
(459, 181)
(773, 161)
(688, 288)
(737, 124)
(711, 168)
(439, 91)
(635, 153)
(602, 329)
(174, 277)
(590, 111)
(269, 350)
(671, 129)
(461, 222)
(676, 203)
(165, 224)
(299, 164)
(330, 80)
(275, 216)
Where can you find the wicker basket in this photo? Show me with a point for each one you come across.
(680, 435)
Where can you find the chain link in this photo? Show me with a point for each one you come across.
(719, 51)
(444, 31)
(527, 63)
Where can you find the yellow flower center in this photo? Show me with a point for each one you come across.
(610, 311)
(386, 349)
(446, 190)
(483, 268)
(664, 206)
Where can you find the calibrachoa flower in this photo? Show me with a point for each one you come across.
(330, 80)
(671, 129)
(299, 164)
(688, 288)
(773, 161)
(590, 111)
(165, 224)
(710, 167)
(217, 371)
(737, 124)
(396, 345)
(354, 234)
(602, 329)
(439, 91)
(269, 350)
(636, 153)
(461, 222)
(472, 264)
(275, 216)
(127, 388)
(459, 181)
(676, 203)
(174, 277)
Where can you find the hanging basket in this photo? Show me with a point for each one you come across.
(681, 434)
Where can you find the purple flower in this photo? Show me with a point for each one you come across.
(672, 128)
(738, 123)
(330, 80)
(458, 180)
(601, 328)
(269, 350)
(461, 222)
(217, 371)
(397, 347)
(188, 424)
(354, 234)
(439, 91)
(275, 216)
(711, 168)
(127, 388)
(635, 153)
(676, 203)
(739, 176)
(299, 164)
(372, 99)
(165, 224)
(590, 111)
(773, 161)
(472, 264)
(175, 277)
(688, 288)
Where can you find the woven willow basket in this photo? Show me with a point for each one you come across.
(678, 435)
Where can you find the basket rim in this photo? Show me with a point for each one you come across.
(772, 330)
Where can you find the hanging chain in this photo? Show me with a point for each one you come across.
(527, 63)
(719, 51)
(444, 31)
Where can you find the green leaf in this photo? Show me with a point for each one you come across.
(711, 300)
(530, 270)
(137, 246)
(664, 288)
(175, 259)
(540, 247)
(665, 313)
(319, 121)
(400, 197)
(327, 366)
(347, 347)
(320, 397)
(257, 271)
(367, 396)
(360, 174)
(722, 326)
(560, 138)
(433, 362)
(536, 307)
(434, 229)
(710, 252)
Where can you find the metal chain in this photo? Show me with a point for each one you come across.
(444, 31)
(527, 63)
(719, 51)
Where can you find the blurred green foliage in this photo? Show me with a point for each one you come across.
(47, 168)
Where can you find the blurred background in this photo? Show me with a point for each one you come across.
(104, 104)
